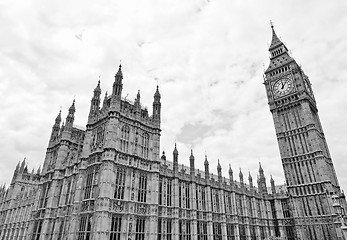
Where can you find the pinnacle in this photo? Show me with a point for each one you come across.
(72, 109)
(119, 73)
(58, 118)
(206, 162)
(98, 89)
(218, 165)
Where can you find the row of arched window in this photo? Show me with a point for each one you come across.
(141, 143)
(277, 52)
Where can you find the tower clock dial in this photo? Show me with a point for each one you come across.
(283, 87)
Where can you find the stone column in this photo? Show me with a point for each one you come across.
(223, 211)
(194, 228)
(175, 198)
(209, 213)
(101, 221)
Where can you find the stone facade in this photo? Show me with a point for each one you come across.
(110, 182)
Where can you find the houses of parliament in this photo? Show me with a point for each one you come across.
(111, 181)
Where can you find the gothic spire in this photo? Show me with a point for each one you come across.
(275, 42)
(192, 164)
(118, 85)
(279, 57)
(273, 188)
(58, 118)
(119, 74)
(261, 171)
(241, 176)
(163, 157)
(97, 89)
(105, 101)
(250, 179)
(207, 170)
(71, 115)
(231, 178)
(156, 105)
(157, 94)
(72, 108)
(175, 158)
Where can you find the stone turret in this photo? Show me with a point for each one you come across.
(175, 159)
(231, 178)
(55, 129)
(261, 181)
(241, 177)
(219, 171)
(250, 180)
(207, 171)
(156, 106)
(273, 188)
(70, 117)
(95, 102)
(192, 164)
(118, 85)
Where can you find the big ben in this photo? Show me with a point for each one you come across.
(309, 171)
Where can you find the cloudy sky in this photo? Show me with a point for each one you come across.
(208, 58)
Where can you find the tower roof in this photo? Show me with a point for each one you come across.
(206, 162)
(175, 152)
(275, 42)
(157, 93)
(72, 109)
(260, 168)
(218, 166)
(97, 88)
(230, 170)
(58, 118)
(191, 155)
(250, 177)
(240, 174)
(119, 74)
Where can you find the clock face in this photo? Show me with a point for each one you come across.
(283, 86)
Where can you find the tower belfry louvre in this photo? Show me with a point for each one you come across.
(110, 182)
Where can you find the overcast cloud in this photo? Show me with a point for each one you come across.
(208, 58)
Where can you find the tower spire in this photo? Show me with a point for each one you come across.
(192, 164)
(71, 115)
(118, 85)
(207, 171)
(156, 105)
(275, 42)
(95, 102)
(175, 158)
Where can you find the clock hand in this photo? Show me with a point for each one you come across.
(282, 85)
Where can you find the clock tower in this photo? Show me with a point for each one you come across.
(308, 168)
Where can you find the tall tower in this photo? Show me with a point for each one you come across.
(308, 168)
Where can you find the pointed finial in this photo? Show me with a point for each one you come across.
(271, 24)
(175, 149)
(218, 166)
(206, 161)
(119, 74)
(260, 168)
(240, 174)
(72, 109)
(249, 176)
(98, 89)
(58, 118)
(230, 170)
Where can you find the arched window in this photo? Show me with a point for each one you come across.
(145, 145)
(124, 138)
